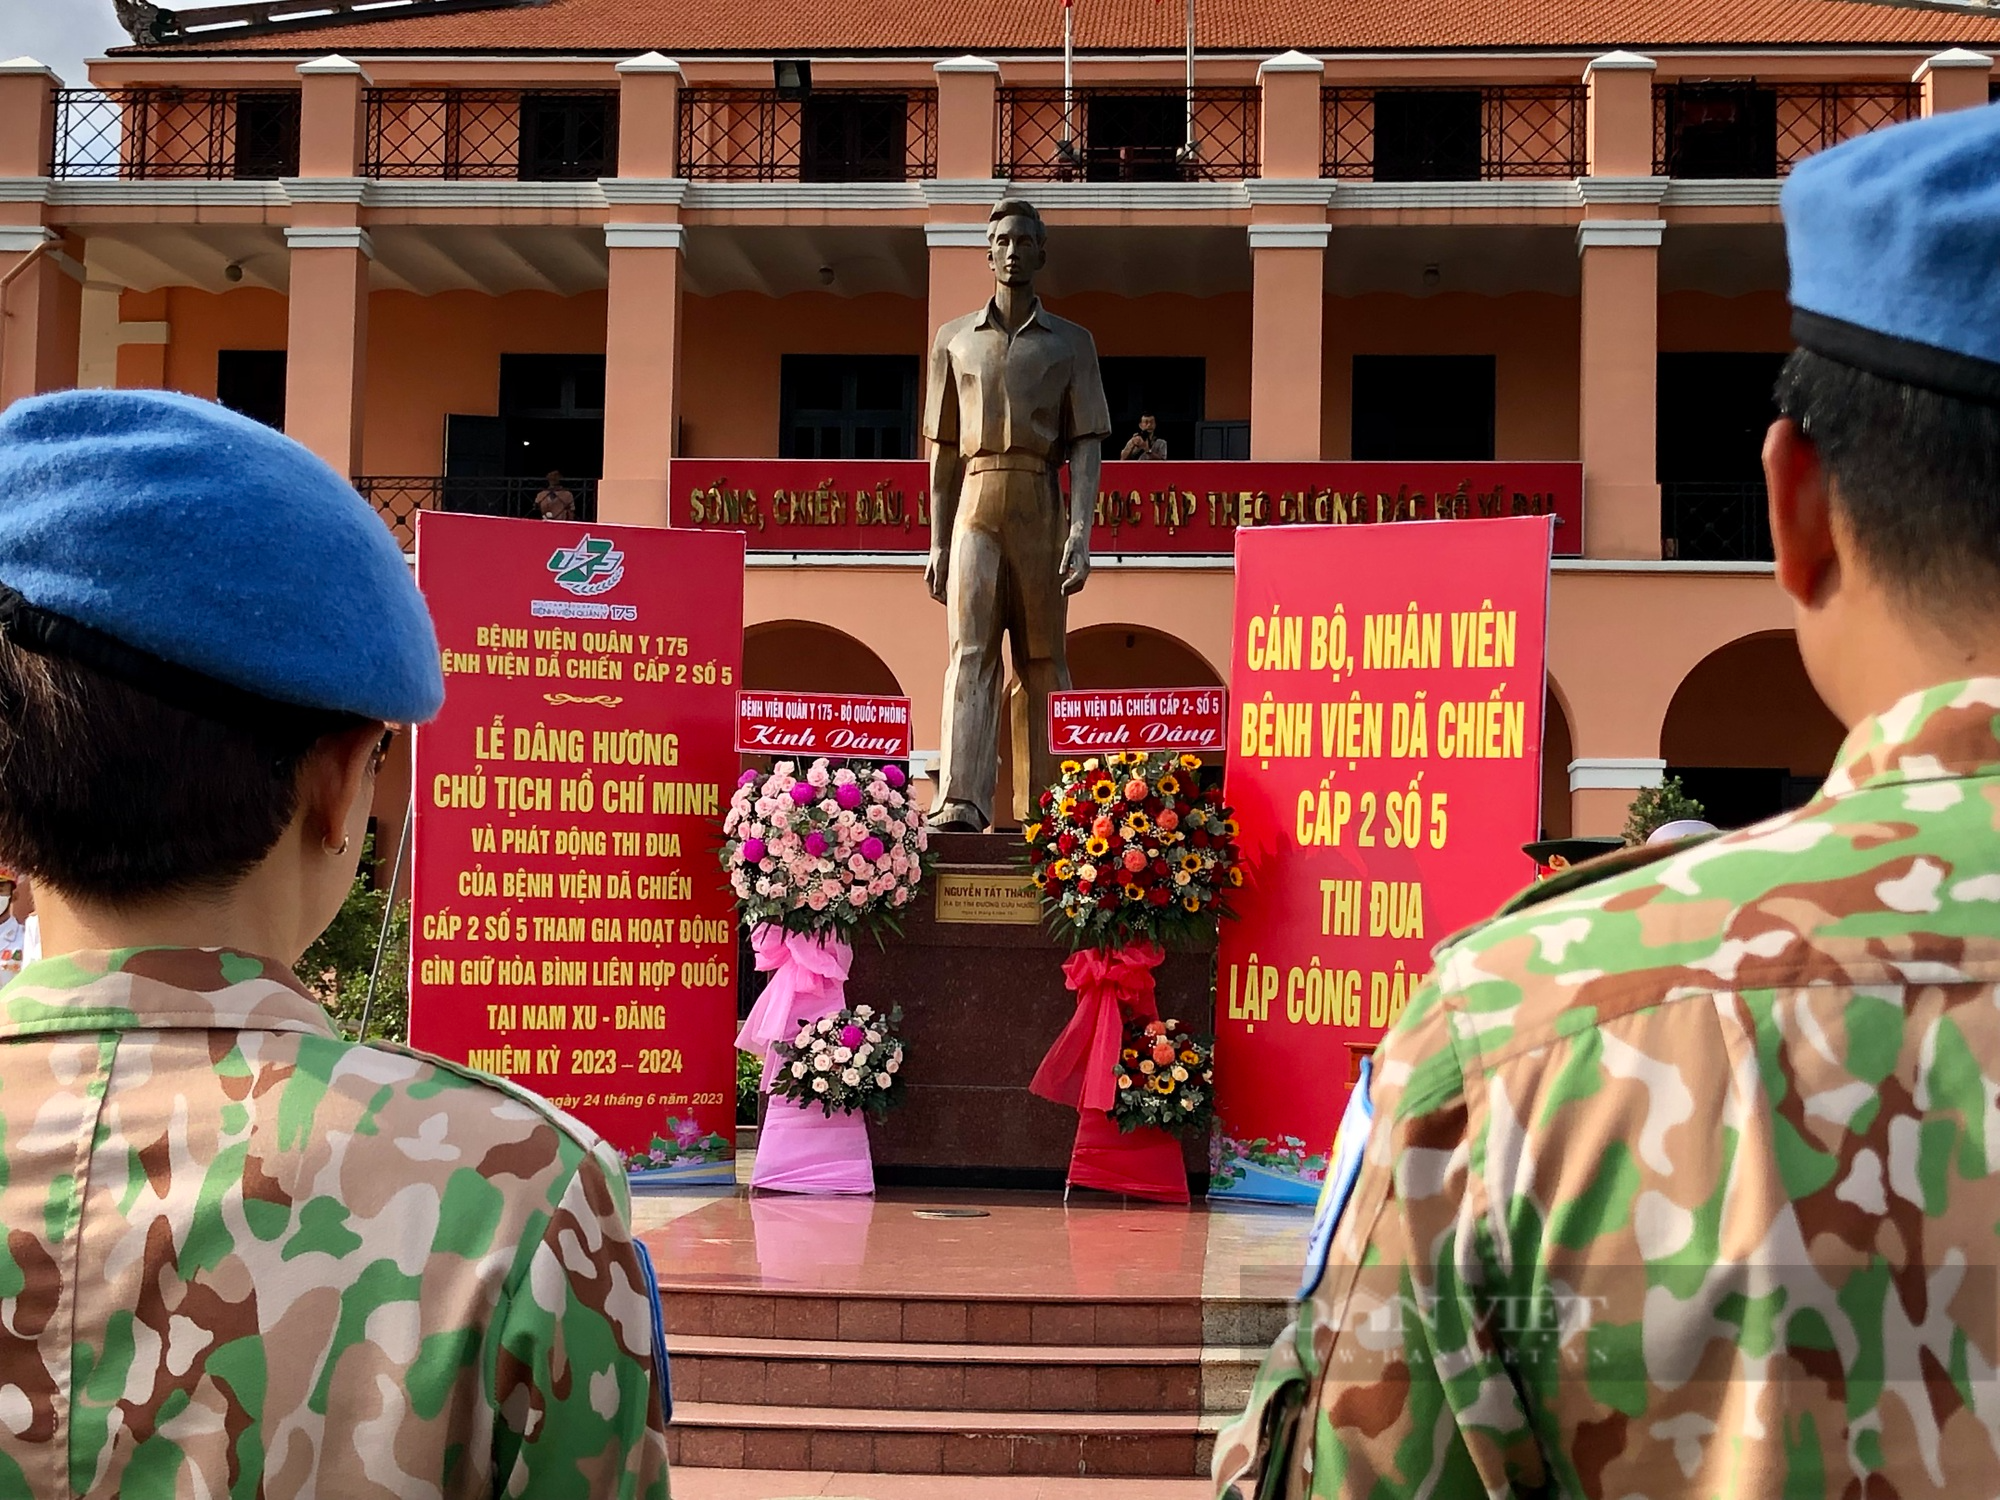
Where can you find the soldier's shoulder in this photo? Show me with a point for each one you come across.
(480, 1111)
(1624, 931)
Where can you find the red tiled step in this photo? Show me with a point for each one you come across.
(720, 1312)
(937, 1377)
(848, 1440)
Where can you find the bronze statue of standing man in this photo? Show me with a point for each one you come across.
(1014, 394)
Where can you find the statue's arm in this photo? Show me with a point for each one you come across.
(947, 477)
(1086, 457)
(947, 462)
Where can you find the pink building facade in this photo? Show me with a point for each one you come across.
(451, 252)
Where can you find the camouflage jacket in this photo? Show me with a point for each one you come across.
(1684, 1176)
(245, 1258)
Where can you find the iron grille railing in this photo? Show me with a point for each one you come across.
(398, 498)
(1131, 134)
(1453, 135)
(536, 135)
(1704, 520)
(826, 135)
(154, 133)
(1745, 128)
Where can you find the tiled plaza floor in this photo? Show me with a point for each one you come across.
(744, 1484)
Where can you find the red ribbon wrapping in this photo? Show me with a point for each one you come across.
(1081, 1068)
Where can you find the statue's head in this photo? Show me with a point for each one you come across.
(1016, 242)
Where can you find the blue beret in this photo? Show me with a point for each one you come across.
(151, 528)
(1894, 239)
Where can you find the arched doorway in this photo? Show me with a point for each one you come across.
(1133, 656)
(797, 656)
(1746, 733)
(1557, 753)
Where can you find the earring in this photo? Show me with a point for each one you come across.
(336, 853)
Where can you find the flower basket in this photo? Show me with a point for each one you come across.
(1131, 853)
(1133, 849)
(814, 856)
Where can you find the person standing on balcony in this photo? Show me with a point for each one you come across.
(1014, 393)
(1146, 443)
(1681, 1177)
(555, 502)
(245, 1255)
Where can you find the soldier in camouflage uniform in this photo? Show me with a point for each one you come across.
(243, 1256)
(1682, 1177)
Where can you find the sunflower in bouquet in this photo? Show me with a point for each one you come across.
(1165, 1078)
(1133, 848)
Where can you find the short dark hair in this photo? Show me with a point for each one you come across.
(1916, 473)
(115, 796)
(1017, 208)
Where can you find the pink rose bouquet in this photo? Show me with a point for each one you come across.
(826, 849)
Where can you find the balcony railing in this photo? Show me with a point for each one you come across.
(1704, 520)
(398, 498)
(827, 135)
(1453, 134)
(1126, 135)
(1751, 129)
(165, 133)
(537, 135)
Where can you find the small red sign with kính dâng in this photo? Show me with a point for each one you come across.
(1099, 721)
(810, 724)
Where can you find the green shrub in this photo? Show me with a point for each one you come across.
(335, 968)
(1657, 806)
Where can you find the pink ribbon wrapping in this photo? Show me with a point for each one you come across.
(808, 981)
(1080, 1069)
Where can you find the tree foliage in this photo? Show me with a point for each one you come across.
(1657, 806)
(336, 967)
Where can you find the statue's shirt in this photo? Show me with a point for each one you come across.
(1030, 393)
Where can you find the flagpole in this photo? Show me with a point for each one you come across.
(1188, 151)
(1069, 78)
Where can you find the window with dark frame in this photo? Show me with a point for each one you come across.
(847, 406)
(1417, 407)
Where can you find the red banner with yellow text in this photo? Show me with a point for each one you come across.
(1386, 694)
(884, 505)
(571, 930)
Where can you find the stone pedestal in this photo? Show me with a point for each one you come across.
(980, 984)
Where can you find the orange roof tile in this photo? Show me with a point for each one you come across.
(762, 27)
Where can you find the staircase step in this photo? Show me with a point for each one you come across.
(850, 1440)
(1053, 1378)
(691, 1307)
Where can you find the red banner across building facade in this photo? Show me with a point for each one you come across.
(1385, 768)
(570, 929)
(1196, 508)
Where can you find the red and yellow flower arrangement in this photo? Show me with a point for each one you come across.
(1132, 848)
(1165, 1078)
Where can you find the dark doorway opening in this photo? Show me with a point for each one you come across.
(854, 138)
(1423, 406)
(267, 136)
(1134, 137)
(252, 382)
(1736, 796)
(1427, 135)
(1720, 130)
(847, 406)
(1173, 389)
(568, 137)
(1713, 410)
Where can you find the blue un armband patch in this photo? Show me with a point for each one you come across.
(1343, 1170)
